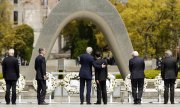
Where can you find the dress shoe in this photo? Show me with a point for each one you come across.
(81, 103)
(97, 103)
(165, 102)
(172, 102)
(7, 103)
(105, 103)
(135, 102)
(88, 103)
(13, 103)
(139, 102)
(43, 103)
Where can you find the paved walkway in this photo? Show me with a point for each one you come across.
(119, 105)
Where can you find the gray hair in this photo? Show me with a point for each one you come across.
(168, 53)
(89, 50)
(11, 52)
(135, 53)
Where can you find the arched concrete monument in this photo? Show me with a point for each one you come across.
(100, 12)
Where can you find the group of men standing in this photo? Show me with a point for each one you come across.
(87, 61)
(10, 68)
(169, 71)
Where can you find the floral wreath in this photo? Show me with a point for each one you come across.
(110, 83)
(66, 82)
(159, 83)
(127, 83)
(52, 83)
(20, 85)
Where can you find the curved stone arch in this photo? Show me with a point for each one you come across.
(100, 12)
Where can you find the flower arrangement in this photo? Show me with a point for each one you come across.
(127, 83)
(67, 83)
(20, 85)
(110, 83)
(52, 83)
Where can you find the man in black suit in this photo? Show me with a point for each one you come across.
(10, 70)
(100, 78)
(40, 67)
(169, 71)
(85, 74)
(136, 67)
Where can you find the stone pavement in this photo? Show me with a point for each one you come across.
(77, 105)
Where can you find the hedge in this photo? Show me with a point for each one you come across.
(1, 76)
(149, 74)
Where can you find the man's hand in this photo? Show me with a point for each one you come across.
(103, 65)
(45, 77)
(97, 81)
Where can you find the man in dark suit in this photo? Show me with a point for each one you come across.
(136, 67)
(169, 71)
(85, 74)
(10, 70)
(100, 78)
(40, 67)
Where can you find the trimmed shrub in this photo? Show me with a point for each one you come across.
(1, 75)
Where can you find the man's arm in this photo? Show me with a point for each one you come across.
(43, 66)
(35, 64)
(17, 68)
(130, 65)
(176, 67)
(162, 70)
(143, 65)
(99, 66)
(3, 68)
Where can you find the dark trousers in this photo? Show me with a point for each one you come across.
(88, 87)
(137, 89)
(101, 92)
(169, 83)
(41, 90)
(9, 84)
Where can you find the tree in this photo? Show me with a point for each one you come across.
(80, 33)
(24, 36)
(152, 24)
(6, 30)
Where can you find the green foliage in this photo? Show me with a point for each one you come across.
(178, 75)
(153, 25)
(151, 74)
(1, 76)
(20, 37)
(80, 34)
(6, 30)
(80, 47)
(100, 40)
(118, 76)
(25, 38)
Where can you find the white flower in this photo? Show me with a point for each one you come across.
(127, 83)
(51, 83)
(68, 86)
(20, 85)
(110, 83)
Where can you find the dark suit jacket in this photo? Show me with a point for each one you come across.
(169, 68)
(100, 73)
(136, 67)
(86, 61)
(40, 67)
(10, 68)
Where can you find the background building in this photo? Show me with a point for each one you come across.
(33, 13)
